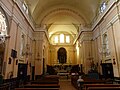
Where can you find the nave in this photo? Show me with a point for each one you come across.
(51, 37)
(56, 82)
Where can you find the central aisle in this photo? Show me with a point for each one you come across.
(66, 85)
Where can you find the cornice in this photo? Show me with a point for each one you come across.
(101, 17)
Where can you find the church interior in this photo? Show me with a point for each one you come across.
(50, 44)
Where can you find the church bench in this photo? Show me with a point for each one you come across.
(36, 89)
(5, 86)
(41, 86)
(103, 88)
(47, 79)
(90, 81)
(86, 86)
(51, 77)
(44, 82)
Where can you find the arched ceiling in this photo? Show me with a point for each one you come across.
(63, 15)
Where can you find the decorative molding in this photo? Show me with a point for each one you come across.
(105, 29)
(103, 15)
(27, 17)
(85, 37)
(5, 8)
(84, 29)
(14, 17)
(58, 10)
(96, 34)
(43, 30)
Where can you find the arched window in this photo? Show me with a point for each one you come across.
(56, 39)
(25, 7)
(67, 39)
(61, 38)
(103, 7)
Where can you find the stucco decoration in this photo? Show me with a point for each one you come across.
(3, 29)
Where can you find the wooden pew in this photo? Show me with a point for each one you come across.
(5, 86)
(103, 88)
(51, 77)
(41, 86)
(48, 79)
(45, 82)
(36, 89)
(92, 86)
(90, 81)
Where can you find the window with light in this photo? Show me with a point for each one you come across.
(25, 7)
(103, 7)
(67, 39)
(56, 39)
(61, 38)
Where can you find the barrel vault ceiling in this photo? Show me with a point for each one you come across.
(63, 15)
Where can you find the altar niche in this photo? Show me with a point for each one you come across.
(62, 55)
